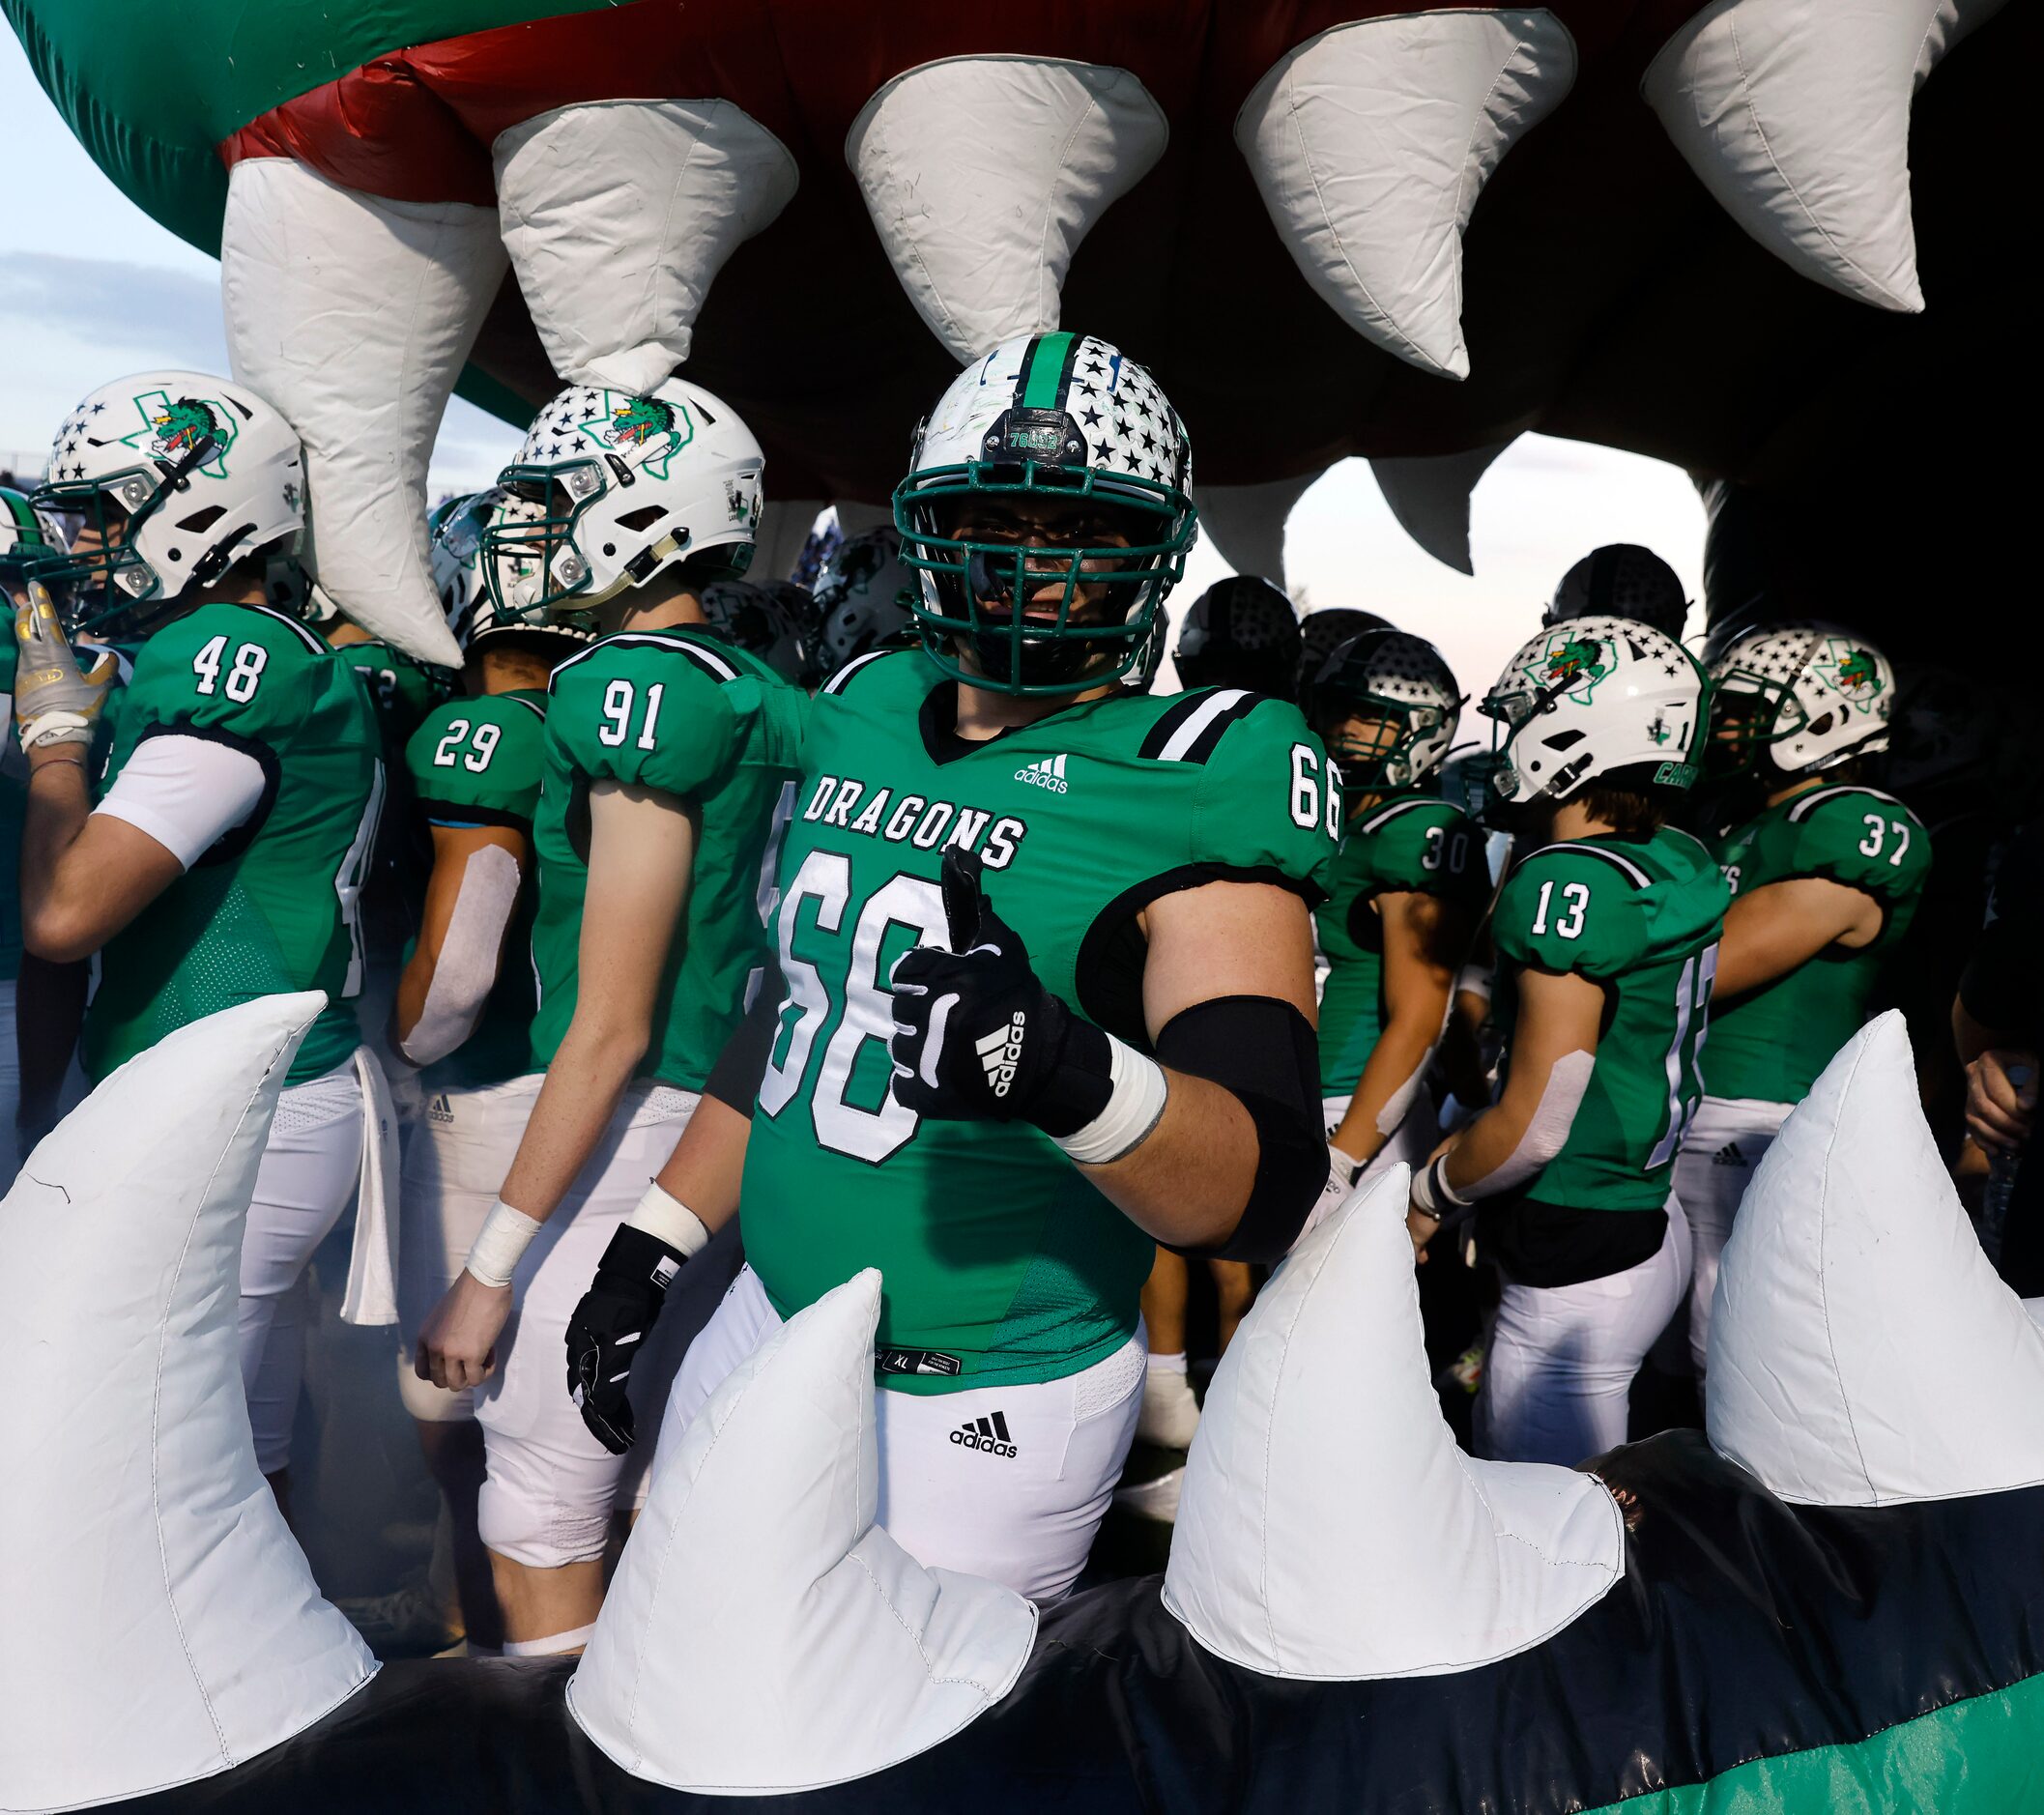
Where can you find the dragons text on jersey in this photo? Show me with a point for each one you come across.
(1001, 1263)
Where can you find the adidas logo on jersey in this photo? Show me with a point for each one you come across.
(439, 1110)
(1000, 1052)
(1728, 1155)
(1049, 774)
(987, 1435)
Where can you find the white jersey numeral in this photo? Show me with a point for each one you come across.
(348, 882)
(867, 1013)
(1878, 828)
(620, 701)
(1568, 924)
(1692, 1022)
(245, 673)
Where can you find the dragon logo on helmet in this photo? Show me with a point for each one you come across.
(650, 427)
(1570, 664)
(1851, 672)
(174, 426)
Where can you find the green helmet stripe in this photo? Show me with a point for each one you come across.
(1043, 376)
(27, 528)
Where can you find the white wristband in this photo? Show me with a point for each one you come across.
(1136, 1099)
(1475, 980)
(501, 1243)
(1431, 1191)
(666, 1218)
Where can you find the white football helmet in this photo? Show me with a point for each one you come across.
(454, 545)
(613, 487)
(1400, 680)
(1591, 697)
(174, 476)
(861, 596)
(1047, 419)
(1797, 698)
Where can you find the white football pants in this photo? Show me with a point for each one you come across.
(306, 1179)
(1009, 1483)
(1558, 1372)
(551, 1487)
(458, 1146)
(1726, 1139)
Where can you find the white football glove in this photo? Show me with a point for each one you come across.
(55, 701)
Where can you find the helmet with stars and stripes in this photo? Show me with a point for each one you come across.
(1046, 513)
(1598, 698)
(613, 488)
(172, 477)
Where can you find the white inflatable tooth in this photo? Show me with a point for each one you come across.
(353, 315)
(160, 1622)
(1862, 1350)
(1795, 114)
(1245, 523)
(1371, 143)
(763, 1633)
(982, 173)
(619, 214)
(1429, 496)
(1322, 1451)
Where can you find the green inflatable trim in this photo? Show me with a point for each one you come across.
(151, 91)
(1978, 1757)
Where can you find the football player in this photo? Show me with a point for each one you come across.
(669, 769)
(224, 857)
(1049, 969)
(861, 598)
(1825, 877)
(1622, 580)
(1322, 632)
(465, 1001)
(1606, 936)
(1409, 888)
(1240, 632)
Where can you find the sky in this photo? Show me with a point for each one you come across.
(91, 287)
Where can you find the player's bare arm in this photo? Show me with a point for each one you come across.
(468, 911)
(1776, 928)
(642, 847)
(1425, 938)
(1554, 1043)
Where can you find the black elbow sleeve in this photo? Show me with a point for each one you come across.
(1264, 1052)
(735, 1078)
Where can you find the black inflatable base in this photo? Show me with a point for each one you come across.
(1744, 1629)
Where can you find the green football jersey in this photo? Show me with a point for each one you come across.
(1411, 844)
(680, 712)
(402, 689)
(1000, 1262)
(477, 762)
(1643, 918)
(1771, 1043)
(272, 906)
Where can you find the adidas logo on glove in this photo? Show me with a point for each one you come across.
(1049, 774)
(1000, 1052)
(987, 1435)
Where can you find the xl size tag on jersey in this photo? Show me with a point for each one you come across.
(915, 1360)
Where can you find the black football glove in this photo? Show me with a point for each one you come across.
(977, 1035)
(609, 1329)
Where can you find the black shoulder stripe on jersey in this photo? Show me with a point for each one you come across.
(1801, 808)
(1391, 808)
(316, 643)
(1191, 729)
(838, 681)
(711, 664)
(538, 711)
(454, 813)
(1624, 866)
(236, 838)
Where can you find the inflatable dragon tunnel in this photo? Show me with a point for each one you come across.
(1834, 1602)
(1751, 237)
